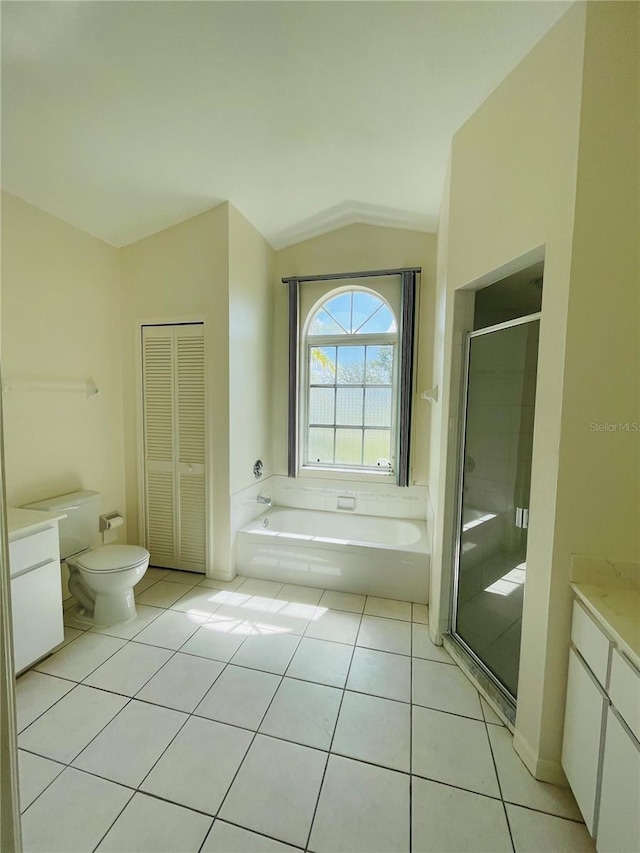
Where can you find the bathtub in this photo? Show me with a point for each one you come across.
(386, 557)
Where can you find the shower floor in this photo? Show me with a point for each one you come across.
(265, 718)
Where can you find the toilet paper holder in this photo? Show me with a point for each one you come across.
(110, 521)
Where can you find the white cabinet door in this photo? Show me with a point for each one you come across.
(619, 821)
(173, 386)
(584, 716)
(36, 608)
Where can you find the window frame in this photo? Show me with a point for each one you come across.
(406, 367)
(304, 388)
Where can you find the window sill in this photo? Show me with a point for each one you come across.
(344, 474)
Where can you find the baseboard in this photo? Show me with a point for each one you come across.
(540, 768)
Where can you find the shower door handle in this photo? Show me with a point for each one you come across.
(522, 517)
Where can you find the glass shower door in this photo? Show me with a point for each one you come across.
(495, 483)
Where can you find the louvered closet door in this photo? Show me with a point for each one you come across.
(174, 445)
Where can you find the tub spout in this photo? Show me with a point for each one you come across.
(262, 499)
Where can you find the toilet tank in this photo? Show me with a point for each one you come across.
(78, 531)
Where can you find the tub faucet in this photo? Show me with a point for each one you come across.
(262, 499)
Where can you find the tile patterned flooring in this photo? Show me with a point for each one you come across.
(253, 717)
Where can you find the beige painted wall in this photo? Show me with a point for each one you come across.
(251, 262)
(182, 274)
(512, 189)
(61, 295)
(358, 247)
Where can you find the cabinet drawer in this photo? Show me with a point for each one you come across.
(624, 691)
(592, 644)
(33, 550)
(36, 604)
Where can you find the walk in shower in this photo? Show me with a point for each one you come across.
(495, 480)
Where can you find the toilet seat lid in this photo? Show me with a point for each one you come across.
(113, 558)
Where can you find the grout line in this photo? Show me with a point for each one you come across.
(495, 767)
(333, 735)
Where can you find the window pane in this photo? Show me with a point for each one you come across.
(349, 446)
(379, 365)
(324, 324)
(382, 321)
(320, 445)
(377, 448)
(340, 309)
(321, 406)
(377, 407)
(364, 305)
(322, 365)
(349, 406)
(350, 365)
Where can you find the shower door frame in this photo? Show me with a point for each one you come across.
(462, 441)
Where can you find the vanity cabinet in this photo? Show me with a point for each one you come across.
(601, 748)
(36, 591)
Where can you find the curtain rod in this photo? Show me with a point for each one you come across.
(338, 276)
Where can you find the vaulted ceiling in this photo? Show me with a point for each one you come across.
(123, 118)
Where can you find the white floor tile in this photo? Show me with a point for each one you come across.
(303, 713)
(148, 825)
(156, 574)
(276, 789)
(300, 594)
(533, 831)
(129, 669)
(128, 630)
(454, 750)
(490, 715)
(199, 765)
(333, 600)
(420, 613)
(361, 809)
(518, 785)
(170, 631)
(199, 602)
(66, 728)
(212, 583)
(36, 693)
(423, 647)
(35, 774)
(70, 634)
(73, 813)
(447, 820)
(445, 688)
(385, 635)
(183, 577)
(210, 641)
(334, 625)
(285, 617)
(239, 697)
(225, 838)
(239, 613)
(81, 657)
(144, 584)
(321, 661)
(380, 674)
(131, 744)
(267, 652)
(255, 586)
(388, 607)
(182, 682)
(162, 594)
(374, 730)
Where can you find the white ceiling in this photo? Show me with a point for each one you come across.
(123, 118)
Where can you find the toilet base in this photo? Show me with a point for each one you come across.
(114, 609)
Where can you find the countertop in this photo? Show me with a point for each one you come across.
(24, 521)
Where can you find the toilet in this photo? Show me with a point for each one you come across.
(101, 579)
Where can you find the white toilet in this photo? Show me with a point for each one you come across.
(101, 579)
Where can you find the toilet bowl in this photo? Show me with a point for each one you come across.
(102, 580)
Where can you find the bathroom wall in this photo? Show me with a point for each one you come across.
(531, 169)
(182, 274)
(352, 248)
(61, 323)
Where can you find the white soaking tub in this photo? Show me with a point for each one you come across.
(386, 557)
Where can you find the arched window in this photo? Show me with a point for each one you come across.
(350, 382)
